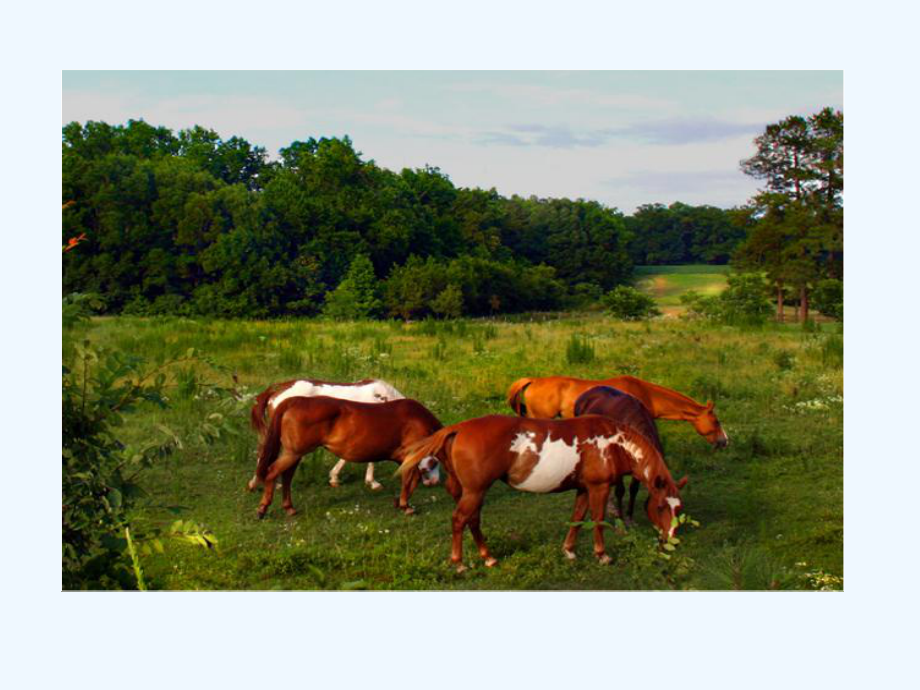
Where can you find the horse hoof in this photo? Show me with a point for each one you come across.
(604, 559)
(261, 513)
(408, 510)
(569, 554)
(333, 484)
(461, 568)
(291, 511)
(491, 562)
(374, 486)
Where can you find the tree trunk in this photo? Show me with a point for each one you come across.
(803, 300)
(780, 316)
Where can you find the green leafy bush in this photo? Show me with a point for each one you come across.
(449, 303)
(625, 302)
(99, 471)
(743, 302)
(827, 298)
(356, 297)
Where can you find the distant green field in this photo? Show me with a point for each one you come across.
(667, 283)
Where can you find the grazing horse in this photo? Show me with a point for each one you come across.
(586, 454)
(353, 431)
(368, 390)
(546, 398)
(623, 408)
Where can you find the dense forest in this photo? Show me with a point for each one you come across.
(189, 223)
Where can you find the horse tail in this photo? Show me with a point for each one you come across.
(257, 414)
(272, 444)
(430, 445)
(516, 393)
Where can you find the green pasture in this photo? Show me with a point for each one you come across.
(667, 283)
(770, 506)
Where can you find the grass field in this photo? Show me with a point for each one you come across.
(770, 506)
(667, 283)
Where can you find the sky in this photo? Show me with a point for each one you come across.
(621, 138)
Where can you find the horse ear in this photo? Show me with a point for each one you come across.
(683, 482)
(709, 405)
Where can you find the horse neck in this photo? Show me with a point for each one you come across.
(667, 403)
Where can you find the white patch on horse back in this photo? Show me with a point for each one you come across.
(602, 442)
(374, 392)
(556, 461)
(524, 442)
(300, 389)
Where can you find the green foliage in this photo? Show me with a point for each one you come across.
(743, 302)
(100, 387)
(827, 298)
(187, 223)
(356, 297)
(449, 303)
(682, 234)
(579, 350)
(628, 303)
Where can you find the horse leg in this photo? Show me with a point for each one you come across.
(369, 478)
(480, 539)
(581, 507)
(633, 492)
(410, 482)
(597, 502)
(619, 492)
(334, 474)
(467, 506)
(285, 461)
(286, 478)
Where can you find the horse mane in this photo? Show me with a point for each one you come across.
(657, 387)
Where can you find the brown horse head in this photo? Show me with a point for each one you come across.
(664, 504)
(709, 427)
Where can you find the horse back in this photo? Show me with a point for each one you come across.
(621, 407)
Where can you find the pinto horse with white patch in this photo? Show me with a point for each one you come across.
(623, 408)
(353, 431)
(585, 454)
(552, 396)
(368, 390)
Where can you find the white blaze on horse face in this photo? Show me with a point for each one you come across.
(674, 502)
(556, 461)
(431, 470)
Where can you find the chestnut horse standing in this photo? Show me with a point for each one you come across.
(368, 390)
(356, 432)
(546, 398)
(585, 454)
(623, 408)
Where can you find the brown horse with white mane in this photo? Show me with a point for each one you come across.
(353, 431)
(585, 454)
(625, 409)
(552, 396)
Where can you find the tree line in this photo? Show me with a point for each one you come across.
(189, 223)
(795, 224)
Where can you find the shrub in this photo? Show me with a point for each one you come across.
(827, 298)
(449, 303)
(625, 302)
(356, 296)
(743, 302)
